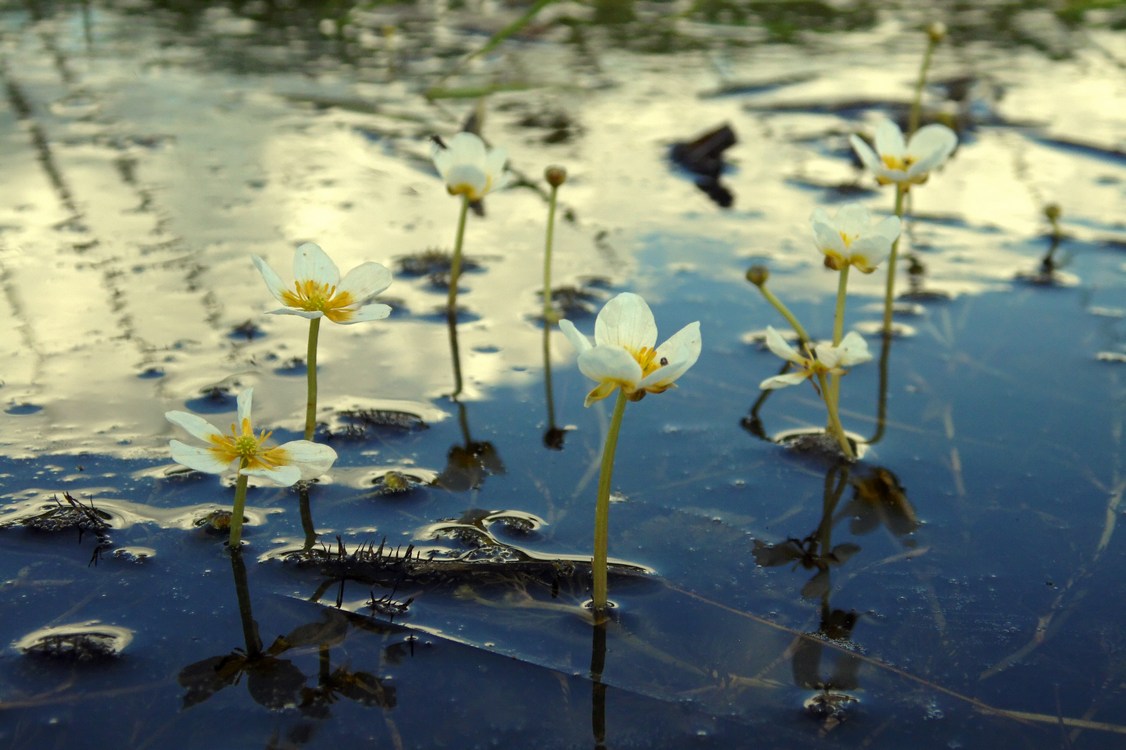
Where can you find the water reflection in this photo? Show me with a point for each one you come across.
(275, 682)
(467, 463)
(828, 660)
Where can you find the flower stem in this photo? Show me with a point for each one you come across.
(237, 510)
(455, 263)
(835, 427)
(549, 242)
(311, 375)
(889, 293)
(917, 102)
(602, 510)
(838, 334)
(838, 316)
(785, 312)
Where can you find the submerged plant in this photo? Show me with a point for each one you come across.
(247, 454)
(470, 171)
(319, 292)
(623, 357)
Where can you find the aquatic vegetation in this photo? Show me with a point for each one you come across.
(319, 292)
(905, 162)
(471, 171)
(623, 358)
(247, 454)
(555, 177)
(850, 239)
(826, 359)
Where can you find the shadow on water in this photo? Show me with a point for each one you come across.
(961, 584)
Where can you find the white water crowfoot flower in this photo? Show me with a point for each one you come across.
(248, 454)
(467, 167)
(623, 354)
(905, 163)
(850, 238)
(826, 359)
(318, 290)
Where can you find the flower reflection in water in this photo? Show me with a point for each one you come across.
(878, 500)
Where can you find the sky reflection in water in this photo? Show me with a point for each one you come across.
(971, 556)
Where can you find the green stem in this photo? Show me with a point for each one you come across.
(311, 375)
(455, 352)
(237, 510)
(455, 264)
(306, 510)
(547, 378)
(602, 510)
(889, 293)
(835, 427)
(917, 102)
(838, 315)
(838, 334)
(785, 312)
(548, 310)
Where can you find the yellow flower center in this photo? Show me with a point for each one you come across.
(316, 296)
(647, 357)
(894, 162)
(248, 450)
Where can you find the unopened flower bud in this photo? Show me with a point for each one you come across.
(936, 31)
(555, 175)
(758, 275)
(1052, 212)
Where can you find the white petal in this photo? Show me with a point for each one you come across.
(934, 140)
(365, 281)
(580, 342)
(311, 459)
(467, 179)
(853, 219)
(307, 314)
(284, 476)
(196, 426)
(781, 381)
(868, 157)
(827, 237)
(854, 350)
(888, 229)
(778, 345)
(868, 252)
(467, 147)
(273, 282)
(374, 311)
(245, 400)
(196, 457)
(626, 321)
(681, 352)
(310, 263)
(610, 364)
(889, 139)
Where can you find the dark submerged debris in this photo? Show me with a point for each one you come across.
(434, 264)
(83, 642)
(360, 423)
(703, 157)
(397, 483)
(65, 516)
(247, 329)
(217, 522)
(486, 561)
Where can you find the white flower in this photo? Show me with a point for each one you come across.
(623, 356)
(318, 290)
(850, 239)
(468, 168)
(826, 359)
(905, 163)
(245, 453)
